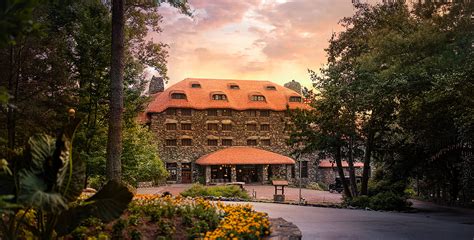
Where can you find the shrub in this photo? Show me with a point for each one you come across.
(389, 201)
(317, 186)
(380, 201)
(198, 190)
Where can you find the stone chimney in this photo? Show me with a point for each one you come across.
(293, 85)
(156, 85)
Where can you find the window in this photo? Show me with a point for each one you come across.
(251, 113)
(264, 127)
(186, 112)
(219, 97)
(185, 126)
(226, 112)
(264, 113)
(172, 170)
(226, 142)
(251, 127)
(170, 111)
(195, 85)
(293, 171)
(211, 142)
(212, 126)
(251, 142)
(271, 88)
(178, 96)
(186, 142)
(234, 86)
(226, 127)
(258, 98)
(171, 126)
(295, 99)
(304, 169)
(171, 142)
(266, 142)
(211, 112)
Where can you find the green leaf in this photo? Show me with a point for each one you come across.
(41, 147)
(34, 192)
(107, 205)
(76, 185)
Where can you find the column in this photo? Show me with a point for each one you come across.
(265, 174)
(207, 174)
(288, 172)
(178, 172)
(233, 173)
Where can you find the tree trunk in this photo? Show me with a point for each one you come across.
(352, 177)
(367, 157)
(340, 170)
(114, 140)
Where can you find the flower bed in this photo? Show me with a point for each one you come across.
(153, 217)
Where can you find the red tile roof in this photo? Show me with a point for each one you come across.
(237, 99)
(327, 164)
(242, 156)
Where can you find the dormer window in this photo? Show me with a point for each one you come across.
(195, 85)
(234, 86)
(258, 98)
(178, 96)
(219, 97)
(270, 87)
(295, 99)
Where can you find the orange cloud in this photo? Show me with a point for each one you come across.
(256, 39)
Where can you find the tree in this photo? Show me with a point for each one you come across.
(114, 140)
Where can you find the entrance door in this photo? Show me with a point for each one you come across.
(186, 175)
(247, 173)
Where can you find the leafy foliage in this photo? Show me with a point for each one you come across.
(49, 181)
(395, 94)
(198, 190)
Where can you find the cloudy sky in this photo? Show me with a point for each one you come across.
(276, 40)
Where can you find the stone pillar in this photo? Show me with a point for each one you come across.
(288, 172)
(178, 172)
(207, 174)
(233, 173)
(265, 174)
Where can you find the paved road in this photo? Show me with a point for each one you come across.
(331, 223)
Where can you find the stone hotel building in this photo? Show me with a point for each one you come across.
(213, 130)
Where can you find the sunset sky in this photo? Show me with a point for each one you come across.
(274, 40)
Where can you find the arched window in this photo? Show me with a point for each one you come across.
(258, 98)
(178, 96)
(219, 97)
(295, 99)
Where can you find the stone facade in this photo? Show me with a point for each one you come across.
(328, 175)
(169, 129)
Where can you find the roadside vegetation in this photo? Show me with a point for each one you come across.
(199, 190)
(396, 94)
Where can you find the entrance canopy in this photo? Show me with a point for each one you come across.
(243, 156)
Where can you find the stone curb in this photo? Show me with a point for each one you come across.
(283, 230)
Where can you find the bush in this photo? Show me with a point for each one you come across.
(380, 201)
(389, 201)
(317, 186)
(198, 190)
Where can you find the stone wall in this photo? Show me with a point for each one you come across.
(199, 133)
(328, 175)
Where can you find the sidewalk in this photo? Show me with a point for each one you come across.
(263, 192)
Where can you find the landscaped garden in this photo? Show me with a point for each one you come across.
(155, 217)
